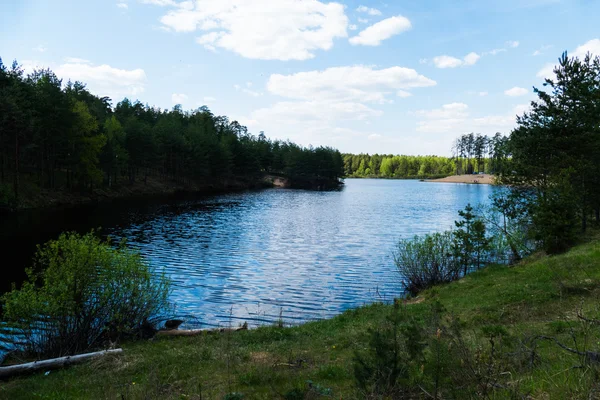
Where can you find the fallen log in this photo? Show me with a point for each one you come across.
(196, 332)
(52, 363)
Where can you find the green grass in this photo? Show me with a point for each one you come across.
(540, 296)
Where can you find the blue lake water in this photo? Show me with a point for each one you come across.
(300, 254)
(253, 256)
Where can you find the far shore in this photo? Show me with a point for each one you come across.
(485, 179)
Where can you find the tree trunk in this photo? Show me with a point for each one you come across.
(16, 179)
(60, 362)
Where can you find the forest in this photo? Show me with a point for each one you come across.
(471, 153)
(59, 136)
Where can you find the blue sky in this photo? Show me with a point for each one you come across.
(403, 77)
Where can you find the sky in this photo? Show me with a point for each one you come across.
(395, 77)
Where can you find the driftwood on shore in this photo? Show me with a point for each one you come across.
(52, 363)
(195, 332)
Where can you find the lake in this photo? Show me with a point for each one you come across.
(255, 256)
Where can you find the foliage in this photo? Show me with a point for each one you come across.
(83, 293)
(390, 166)
(65, 138)
(409, 357)
(394, 348)
(480, 153)
(470, 244)
(555, 151)
(508, 305)
(7, 196)
(427, 260)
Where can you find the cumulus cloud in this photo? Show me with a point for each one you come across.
(260, 29)
(75, 60)
(382, 30)
(547, 72)
(123, 6)
(317, 104)
(179, 98)
(104, 80)
(513, 43)
(356, 83)
(447, 111)
(592, 46)
(368, 10)
(516, 92)
(453, 62)
(455, 119)
(352, 27)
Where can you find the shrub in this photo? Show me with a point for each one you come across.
(7, 196)
(83, 292)
(425, 261)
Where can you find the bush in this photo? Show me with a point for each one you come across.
(425, 261)
(7, 197)
(81, 293)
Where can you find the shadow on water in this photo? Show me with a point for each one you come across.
(261, 255)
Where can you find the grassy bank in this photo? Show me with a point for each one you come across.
(540, 296)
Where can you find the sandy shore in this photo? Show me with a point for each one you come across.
(483, 179)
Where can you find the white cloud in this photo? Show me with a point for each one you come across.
(592, 46)
(367, 10)
(319, 105)
(495, 52)
(471, 58)
(382, 30)
(363, 20)
(455, 119)
(179, 98)
(447, 62)
(247, 90)
(290, 112)
(104, 80)
(260, 29)
(541, 50)
(75, 60)
(483, 94)
(516, 92)
(352, 27)
(453, 62)
(547, 72)
(159, 2)
(513, 43)
(448, 111)
(374, 136)
(357, 83)
(40, 49)
(124, 6)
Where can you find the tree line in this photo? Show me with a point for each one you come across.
(479, 153)
(61, 136)
(394, 166)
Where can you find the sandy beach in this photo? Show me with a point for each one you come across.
(486, 179)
